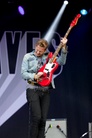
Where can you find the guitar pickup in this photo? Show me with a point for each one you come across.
(53, 65)
(46, 69)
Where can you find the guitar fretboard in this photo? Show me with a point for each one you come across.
(60, 46)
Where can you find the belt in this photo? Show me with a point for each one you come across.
(39, 86)
(33, 83)
(42, 89)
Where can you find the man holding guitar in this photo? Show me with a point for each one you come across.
(37, 69)
(34, 69)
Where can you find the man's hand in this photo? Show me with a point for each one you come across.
(37, 76)
(64, 40)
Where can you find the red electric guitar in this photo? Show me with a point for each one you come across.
(51, 65)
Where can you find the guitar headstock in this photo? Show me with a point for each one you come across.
(74, 22)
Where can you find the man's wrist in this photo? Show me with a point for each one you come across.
(35, 77)
(65, 49)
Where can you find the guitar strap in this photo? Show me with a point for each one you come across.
(40, 63)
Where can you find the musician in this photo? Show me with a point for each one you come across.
(38, 96)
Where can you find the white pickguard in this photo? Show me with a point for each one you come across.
(49, 67)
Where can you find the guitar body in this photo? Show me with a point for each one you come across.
(48, 69)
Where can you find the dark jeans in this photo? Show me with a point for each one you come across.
(38, 109)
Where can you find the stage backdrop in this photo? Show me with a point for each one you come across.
(72, 98)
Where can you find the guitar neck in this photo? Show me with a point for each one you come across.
(60, 46)
(73, 23)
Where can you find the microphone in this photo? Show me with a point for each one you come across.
(85, 134)
(58, 127)
(50, 126)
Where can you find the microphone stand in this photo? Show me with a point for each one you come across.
(61, 131)
(47, 130)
